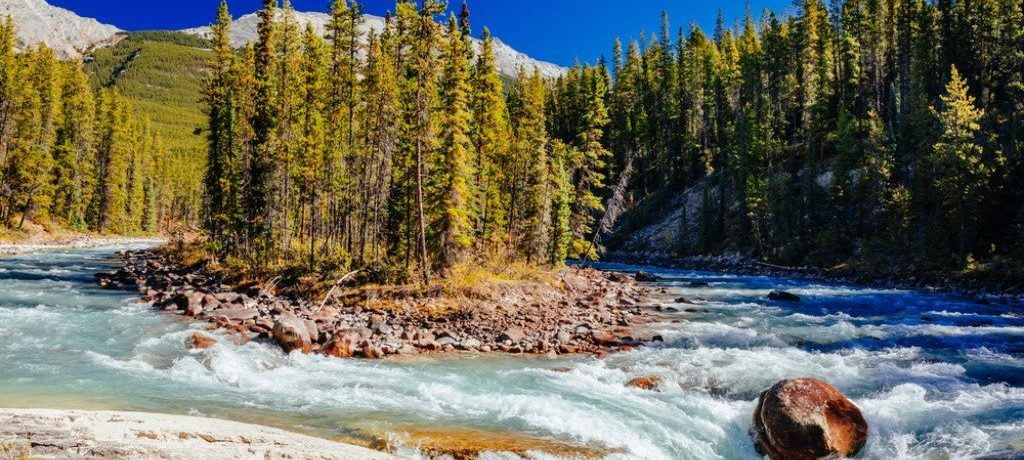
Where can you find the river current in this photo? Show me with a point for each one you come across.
(936, 376)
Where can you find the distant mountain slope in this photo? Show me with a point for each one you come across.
(162, 74)
(243, 31)
(70, 35)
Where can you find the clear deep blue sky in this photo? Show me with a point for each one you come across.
(558, 31)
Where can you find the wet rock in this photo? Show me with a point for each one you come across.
(783, 296)
(684, 300)
(645, 277)
(648, 382)
(805, 419)
(699, 284)
(342, 344)
(697, 310)
(371, 351)
(199, 341)
(291, 334)
(603, 338)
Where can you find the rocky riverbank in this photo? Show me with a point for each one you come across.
(573, 310)
(1007, 288)
(44, 433)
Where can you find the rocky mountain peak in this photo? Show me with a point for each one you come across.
(70, 35)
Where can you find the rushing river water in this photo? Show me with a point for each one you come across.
(936, 376)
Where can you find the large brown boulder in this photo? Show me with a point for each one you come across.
(291, 334)
(806, 419)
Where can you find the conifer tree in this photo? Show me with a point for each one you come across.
(312, 136)
(220, 194)
(261, 165)
(73, 155)
(491, 134)
(532, 148)
(379, 120)
(962, 166)
(455, 225)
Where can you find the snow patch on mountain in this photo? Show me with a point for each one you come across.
(508, 60)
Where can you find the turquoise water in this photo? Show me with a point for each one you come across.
(936, 376)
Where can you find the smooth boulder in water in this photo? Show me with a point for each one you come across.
(806, 419)
(783, 296)
(645, 277)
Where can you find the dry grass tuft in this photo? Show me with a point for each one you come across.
(9, 451)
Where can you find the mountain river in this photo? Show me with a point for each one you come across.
(937, 376)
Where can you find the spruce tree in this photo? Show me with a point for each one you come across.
(455, 224)
(491, 135)
(963, 168)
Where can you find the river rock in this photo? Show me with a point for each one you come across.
(291, 333)
(783, 296)
(200, 341)
(342, 344)
(648, 382)
(513, 334)
(645, 277)
(806, 419)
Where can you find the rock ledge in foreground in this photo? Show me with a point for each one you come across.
(806, 419)
(103, 435)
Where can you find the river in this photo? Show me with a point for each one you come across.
(936, 376)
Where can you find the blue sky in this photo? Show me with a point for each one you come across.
(558, 31)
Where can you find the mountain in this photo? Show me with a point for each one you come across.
(71, 36)
(243, 31)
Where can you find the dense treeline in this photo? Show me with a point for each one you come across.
(876, 131)
(68, 156)
(402, 149)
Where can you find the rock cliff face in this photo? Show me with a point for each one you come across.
(70, 35)
(243, 31)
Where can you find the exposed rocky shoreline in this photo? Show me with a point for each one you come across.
(577, 310)
(1007, 289)
(47, 433)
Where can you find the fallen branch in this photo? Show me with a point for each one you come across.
(337, 284)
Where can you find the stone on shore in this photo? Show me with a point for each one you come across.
(806, 419)
(342, 344)
(291, 334)
(783, 296)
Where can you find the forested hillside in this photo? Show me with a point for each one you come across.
(161, 74)
(69, 156)
(883, 132)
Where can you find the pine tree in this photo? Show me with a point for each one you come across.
(309, 175)
(491, 134)
(963, 168)
(531, 147)
(589, 165)
(379, 116)
(73, 155)
(455, 225)
(260, 191)
(219, 193)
